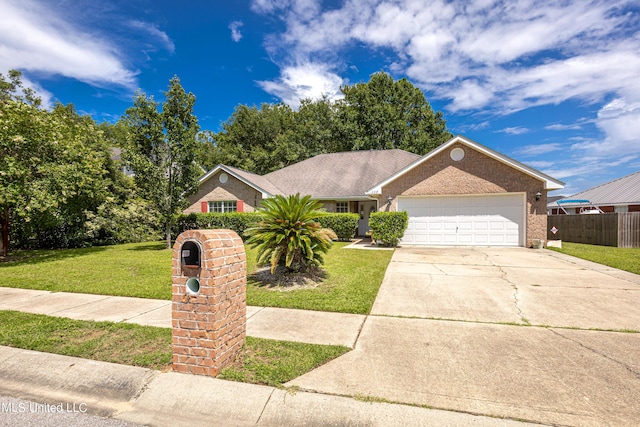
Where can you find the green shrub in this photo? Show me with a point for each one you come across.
(112, 223)
(344, 225)
(289, 234)
(236, 221)
(388, 227)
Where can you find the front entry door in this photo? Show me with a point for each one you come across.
(364, 209)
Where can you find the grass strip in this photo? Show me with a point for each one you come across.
(274, 363)
(262, 361)
(627, 259)
(124, 343)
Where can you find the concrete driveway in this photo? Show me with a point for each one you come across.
(499, 332)
(508, 285)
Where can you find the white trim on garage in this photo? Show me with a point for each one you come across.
(465, 220)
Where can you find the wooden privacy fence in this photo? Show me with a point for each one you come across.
(611, 229)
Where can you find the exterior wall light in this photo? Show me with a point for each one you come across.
(538, 196)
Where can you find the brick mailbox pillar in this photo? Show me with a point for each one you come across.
(209, 307)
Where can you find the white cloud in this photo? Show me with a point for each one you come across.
(516, 130)
(468, 94)
(301, 8)
(156, 33)
(620, 121)
(574, 170)
(560, 126)
(538, 149)
(35, 38)
(511, 30)
(541, 164)
(268, 6)
(589, 77)
(236, 35)
(475, 126)
(304, 81)
(502, 55)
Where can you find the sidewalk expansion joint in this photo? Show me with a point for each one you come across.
(257, 311)
(264, 408)
(79, 305)
(143, 313)
(148, 379)
(360, 331)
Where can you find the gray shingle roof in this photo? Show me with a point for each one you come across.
(622, 191)
(255, 179)
(347, 174)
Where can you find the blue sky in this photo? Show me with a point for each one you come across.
(553, 84)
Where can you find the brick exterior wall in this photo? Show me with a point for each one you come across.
(209, 329)
(234, 189)
(476, 173)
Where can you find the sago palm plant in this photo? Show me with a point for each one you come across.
(289, 235)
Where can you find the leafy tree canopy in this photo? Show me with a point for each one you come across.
(53, 166)
(380, 114)
(386, 114)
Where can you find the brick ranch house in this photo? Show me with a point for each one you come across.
(461, 193)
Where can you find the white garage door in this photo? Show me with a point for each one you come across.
(491, 220)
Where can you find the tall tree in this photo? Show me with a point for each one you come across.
(316, 127)
(162, 150)
(256, 139)
(384, 114)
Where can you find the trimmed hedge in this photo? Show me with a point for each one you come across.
(388, 227)
(344, 225)
(236, 221)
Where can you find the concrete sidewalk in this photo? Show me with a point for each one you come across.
(150, 397)
(313, 327)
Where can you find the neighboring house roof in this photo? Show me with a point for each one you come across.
(340, 175)
(549, 182)
(621, 191)
(552, 199)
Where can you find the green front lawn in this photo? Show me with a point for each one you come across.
(132, 270)
(143, 270)
(351, 284)
(261, 361)
(627, 259)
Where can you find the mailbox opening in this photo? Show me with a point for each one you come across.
(190, 255)
(193, 286)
